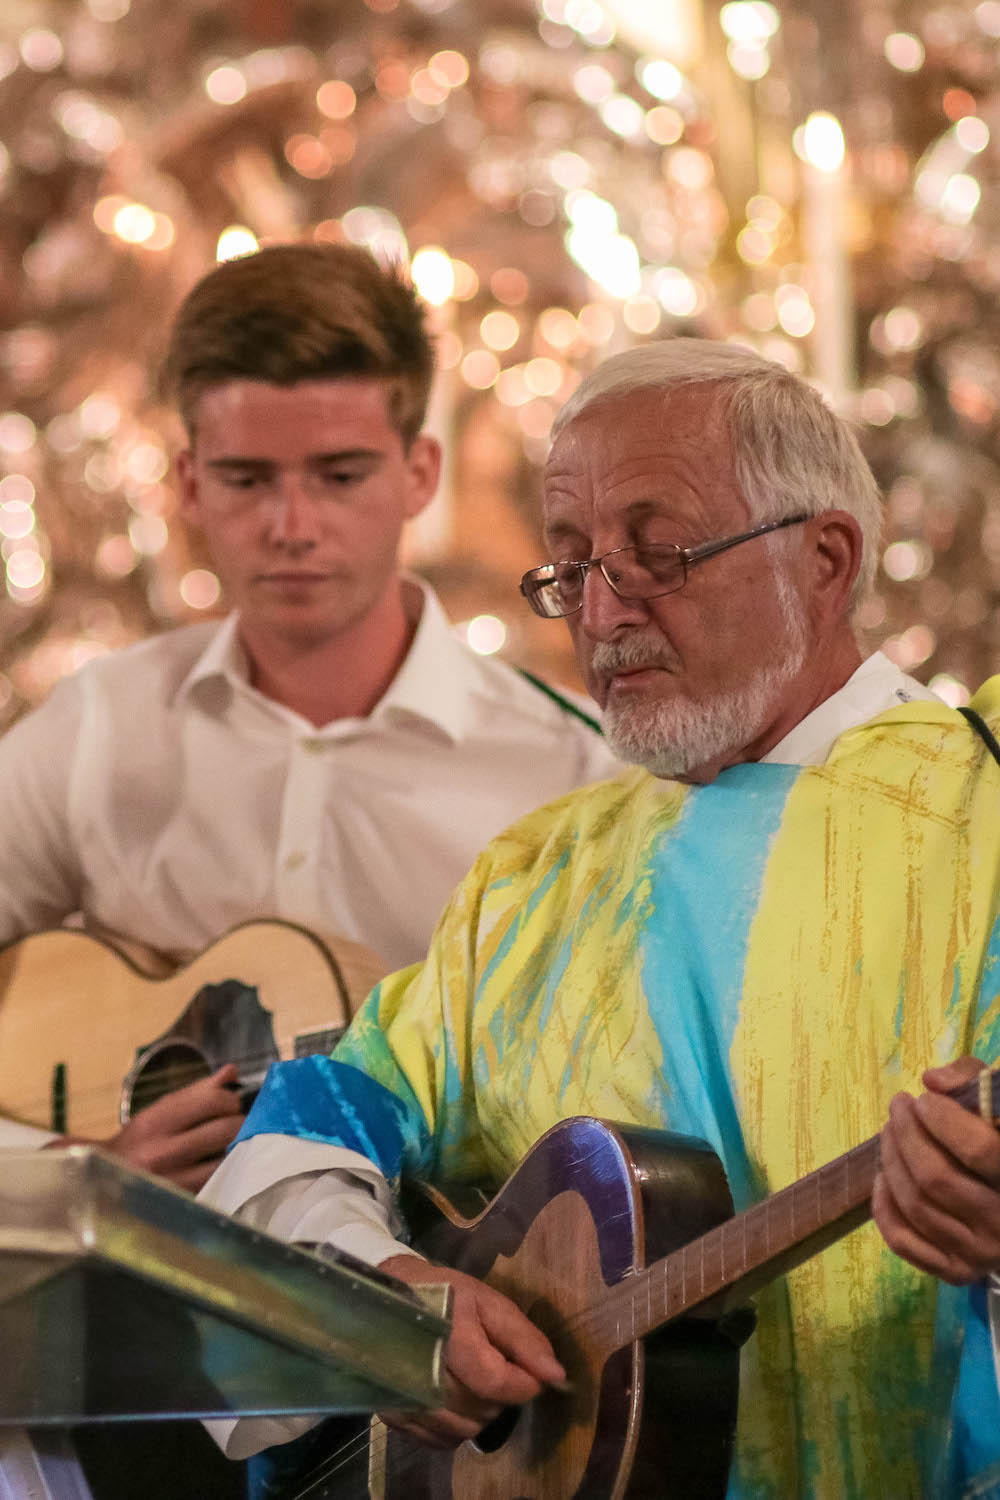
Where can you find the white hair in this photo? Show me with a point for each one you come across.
(791, 453)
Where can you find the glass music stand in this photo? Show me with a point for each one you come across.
(122, 1298)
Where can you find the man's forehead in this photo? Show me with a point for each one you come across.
(346, 392)
(318, 415)
(631, 446)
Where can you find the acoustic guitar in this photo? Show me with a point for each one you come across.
(621, 1245)
(90, 1033)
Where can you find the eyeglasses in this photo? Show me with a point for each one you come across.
(644, 572)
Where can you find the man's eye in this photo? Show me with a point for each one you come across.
(241, 481)
(343, 478)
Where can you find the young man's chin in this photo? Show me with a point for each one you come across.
(305, 618)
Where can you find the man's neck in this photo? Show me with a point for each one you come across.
(324, 678)
(833, 667)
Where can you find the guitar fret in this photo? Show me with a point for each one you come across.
(689, 1276)
(819, 1198)
(673, 1283)
(750, 1242)
(771, 1236)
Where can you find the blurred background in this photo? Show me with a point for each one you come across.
(567, 178)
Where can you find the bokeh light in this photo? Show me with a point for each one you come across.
(235, 241)
(486, 634)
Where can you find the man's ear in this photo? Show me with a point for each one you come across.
(187, 482)
(835, 561)
(424, 465)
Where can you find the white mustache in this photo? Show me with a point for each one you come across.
(632, 653)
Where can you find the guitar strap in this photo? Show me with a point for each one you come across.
(983, 730)
(566, 704)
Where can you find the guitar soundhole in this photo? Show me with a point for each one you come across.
(164, 1070)
(496, 1433)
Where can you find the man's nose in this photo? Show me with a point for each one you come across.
(294, 519)
(604, 613)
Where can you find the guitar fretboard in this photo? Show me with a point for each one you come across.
(720, 1269)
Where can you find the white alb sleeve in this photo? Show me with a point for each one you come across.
(303, 1192)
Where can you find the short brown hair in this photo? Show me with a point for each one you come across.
(303, 312)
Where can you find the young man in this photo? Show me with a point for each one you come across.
(330, 754)
(783, 916)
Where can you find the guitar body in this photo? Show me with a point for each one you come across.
(266, 990)
(584, 1210)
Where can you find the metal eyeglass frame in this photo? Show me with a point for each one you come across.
(536, 578)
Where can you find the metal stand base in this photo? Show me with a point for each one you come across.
(40, 1466)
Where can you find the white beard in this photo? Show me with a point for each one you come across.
(671, 737)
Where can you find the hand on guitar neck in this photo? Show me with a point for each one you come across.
(934, 1192)
(936, 1199)
(496, 1357)
(182, 1136)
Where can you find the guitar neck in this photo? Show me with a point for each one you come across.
(721, 1269)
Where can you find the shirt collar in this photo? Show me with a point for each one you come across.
(223, 658)
(434, 683)
(437, 678)
(877, 685)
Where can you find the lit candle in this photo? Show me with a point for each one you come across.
(824, 204)
(429, 533)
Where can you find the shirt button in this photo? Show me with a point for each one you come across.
(314, 747)
(295, 861)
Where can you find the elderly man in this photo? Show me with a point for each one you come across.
(759, 938)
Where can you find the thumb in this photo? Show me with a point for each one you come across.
(952, 1075)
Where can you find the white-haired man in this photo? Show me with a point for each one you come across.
(757, 944)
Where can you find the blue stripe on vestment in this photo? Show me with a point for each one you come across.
(322, 1100)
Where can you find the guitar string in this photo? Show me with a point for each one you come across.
(349, 1451)
(592, 1317)
(595, 1315)
(332, 1465)
(605, 1313)
(364, 1442)
(376, 1448)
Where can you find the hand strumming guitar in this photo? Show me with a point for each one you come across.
(182, 1136)
(936, 1199)
(495, 1357)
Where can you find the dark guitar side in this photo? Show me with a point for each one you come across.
(590, 1204)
